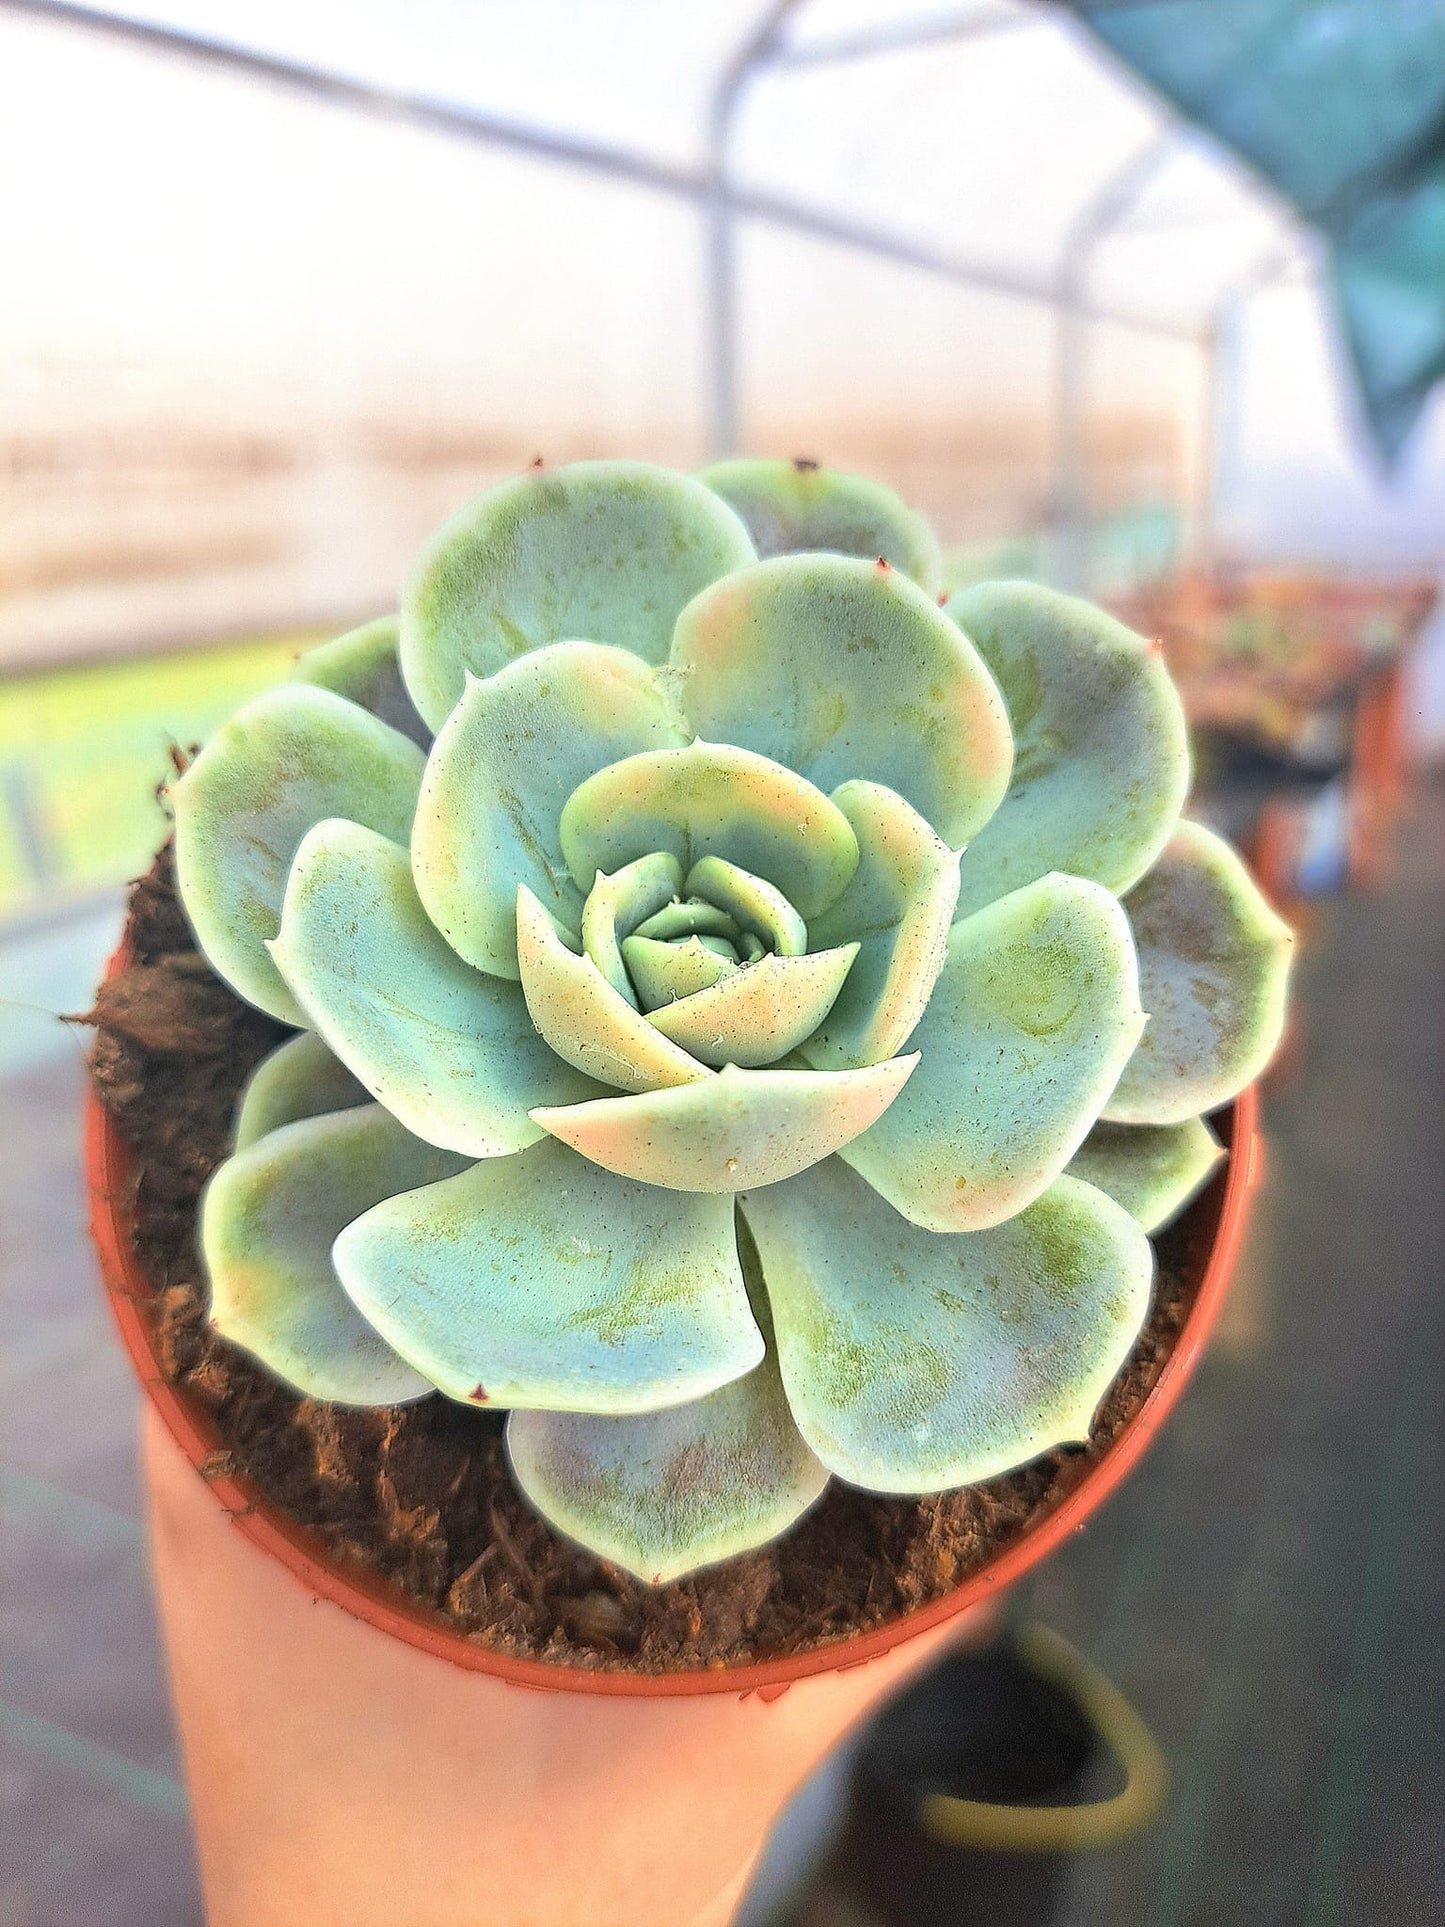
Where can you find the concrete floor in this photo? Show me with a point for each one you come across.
(1266, 1590)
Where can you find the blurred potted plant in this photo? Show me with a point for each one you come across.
(699, 987)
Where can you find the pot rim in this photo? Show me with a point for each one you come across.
(110, 1172)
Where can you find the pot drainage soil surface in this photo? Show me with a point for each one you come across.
(421, 1493)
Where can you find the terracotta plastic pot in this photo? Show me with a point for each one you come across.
(111, 1180)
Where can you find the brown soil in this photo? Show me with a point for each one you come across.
(421, 1493)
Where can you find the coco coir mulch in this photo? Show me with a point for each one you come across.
(421, 1493)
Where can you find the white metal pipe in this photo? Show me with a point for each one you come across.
(721, 228)
(904, 34)
(1102, 216)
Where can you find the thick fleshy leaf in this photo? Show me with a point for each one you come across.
(842, 669)
(300, 1078)
(362, 666)
(541, 1281)
(514, 749)
(740, 1128)
(756, 1015)
(899, 907)
(584, 1019)
(916, 1361)
(1032, 1018)
(1101, 757)
(609, 551)
(452, 1052)
(663, 972)
(1214, 964)
(712, 799)
(287, 760)
(793, 506)
(666, 1492)
(689, 919)
(268, 1221)
(1153, 1170)
(620, 903)
(752, 902)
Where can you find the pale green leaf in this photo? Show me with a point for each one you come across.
(269, 1218)
(842, 669)
(1214, 964)
(663, 972)
(667, 1492)
(515, 748)
(740, 1128)
(601, 551)
(362, 666)
(916, 1361)
(542, 1281)
(300, 1078)
(1153, 1170)
(1031, 1020)
(618, 904)
(1101, 757)
(899, 907)
(712, 799)
(752, 902)
(451, 1051)
(290, 758)
(689, 919)
(792, 506)
(584, 1019)
(760, 1013)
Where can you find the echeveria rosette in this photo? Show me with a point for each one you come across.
(724, 1039)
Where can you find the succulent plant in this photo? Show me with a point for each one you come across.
(724, 1046)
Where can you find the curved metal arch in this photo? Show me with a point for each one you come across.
(709, 188)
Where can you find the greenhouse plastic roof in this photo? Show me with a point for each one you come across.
(1007, 142)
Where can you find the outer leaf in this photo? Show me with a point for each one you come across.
(1101, 757)
(843, 669)
(513, 751)
(285, 761)
(1214, 974)
(791, 506)
(268, 1221)
(740, 1128)
(1153, 1170)
(584, 1019)
(621, 902)
(712, 800)
(665, 1493)
(609, 551)
(759, 1014)
(450, 1051)
(541, 1281)
(900, 905)
(300, 1078)
(362, 666)
(915, 1361)
(1033, 1016)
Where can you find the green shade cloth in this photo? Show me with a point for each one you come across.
(1340, 105)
